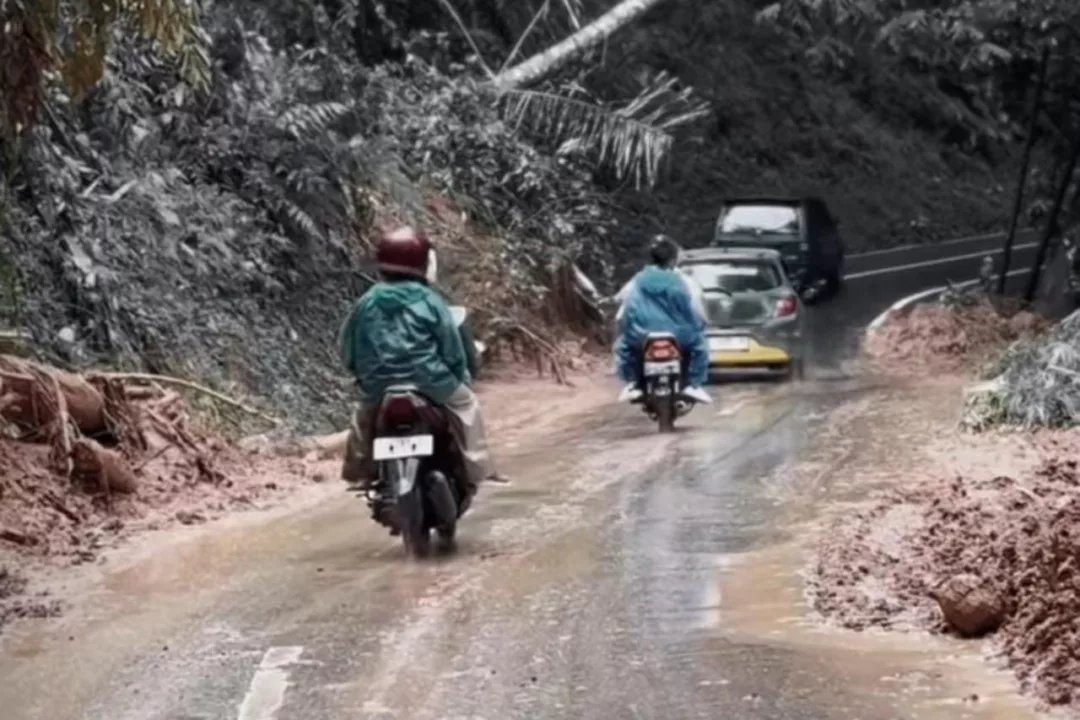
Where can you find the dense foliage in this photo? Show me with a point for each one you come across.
(214, 223)
(215, 234)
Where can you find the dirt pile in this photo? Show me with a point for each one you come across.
(86, 459)
(965, 556)
(935, 338)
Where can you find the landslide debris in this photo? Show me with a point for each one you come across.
(937, 338)
(85, 458)
(970, 556)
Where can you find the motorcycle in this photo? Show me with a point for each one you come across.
(661, 380)
(420, 472)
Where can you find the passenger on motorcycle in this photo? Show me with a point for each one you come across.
(661, 299)
(402, 332)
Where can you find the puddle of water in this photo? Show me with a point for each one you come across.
(761, 600)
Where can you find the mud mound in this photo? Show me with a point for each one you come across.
(935, 338)
(85, 459)
(1015, 541)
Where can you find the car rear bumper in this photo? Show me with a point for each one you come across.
(769, 348)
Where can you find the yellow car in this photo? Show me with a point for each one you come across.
(755, 317)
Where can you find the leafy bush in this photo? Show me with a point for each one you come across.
(222, 235)
(1035, 383)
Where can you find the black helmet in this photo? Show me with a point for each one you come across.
(663, 251)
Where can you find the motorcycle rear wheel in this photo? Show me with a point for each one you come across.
(665, 415)
(444, 504)
(409, 509)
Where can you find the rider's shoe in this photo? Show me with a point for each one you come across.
(696, 394)
(630, 393)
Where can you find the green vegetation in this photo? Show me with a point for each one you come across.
(202, 180)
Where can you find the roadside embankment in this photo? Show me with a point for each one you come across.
(88, 462)
(955, 531)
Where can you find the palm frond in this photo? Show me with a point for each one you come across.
(633, 140)
(305, 121)
(574, 10)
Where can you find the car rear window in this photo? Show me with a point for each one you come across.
(761, 218)
(736, 276)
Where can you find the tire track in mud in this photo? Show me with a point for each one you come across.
(413, 677)
(607, 462)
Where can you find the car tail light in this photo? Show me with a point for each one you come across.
(661, 350)
(786, 306)
(398, 411)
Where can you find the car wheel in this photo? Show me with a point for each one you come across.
(835, 281)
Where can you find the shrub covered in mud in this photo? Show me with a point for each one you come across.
(1034, 383)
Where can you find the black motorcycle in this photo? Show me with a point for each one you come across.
(661, 380)
(420, 471)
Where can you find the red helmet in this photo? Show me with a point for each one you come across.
(404, 251)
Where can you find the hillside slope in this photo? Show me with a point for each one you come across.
(222, 236)
(876, 144)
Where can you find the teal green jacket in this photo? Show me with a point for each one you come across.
(403, 333)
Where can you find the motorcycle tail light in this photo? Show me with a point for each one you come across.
(786, 306)
(661, 350)
(398, 411)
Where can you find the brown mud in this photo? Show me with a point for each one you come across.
(66, 499)
(958, 525)
(933, 338)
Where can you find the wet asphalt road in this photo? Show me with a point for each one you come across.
(623, 575)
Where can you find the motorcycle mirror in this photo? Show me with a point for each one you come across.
(458, 313)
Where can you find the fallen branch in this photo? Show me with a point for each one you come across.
(58, 505)
(35, 384)
(7, 400)
(166, 380)
(14, 342)
(14, 536)
(62, 427)
(171, 431)
(542, 345)
(108, 467)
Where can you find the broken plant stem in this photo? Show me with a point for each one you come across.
(468, 36)
(62, 423)
(166, 380)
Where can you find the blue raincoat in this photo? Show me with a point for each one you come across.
(403, 333)
(659, 300)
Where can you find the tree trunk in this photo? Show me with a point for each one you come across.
(1052, 220)
(538, 66)
(1033, 123)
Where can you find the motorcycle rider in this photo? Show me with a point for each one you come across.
(402, 332)
(659, 298)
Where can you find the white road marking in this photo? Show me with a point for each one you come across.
(913, 246)
(930, 263)
(266, 694)
(922, 295)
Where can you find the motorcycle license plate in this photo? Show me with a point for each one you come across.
(669, 367)
(398, 448)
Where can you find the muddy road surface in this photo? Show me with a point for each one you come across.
(623, 575)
